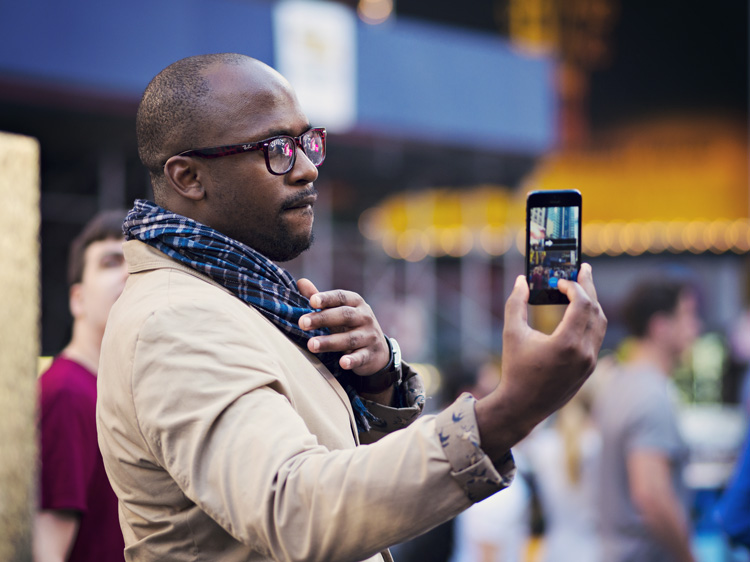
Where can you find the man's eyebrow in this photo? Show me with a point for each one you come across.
(285, 132)
(112, 253)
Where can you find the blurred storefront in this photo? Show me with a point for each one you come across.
(408, 105)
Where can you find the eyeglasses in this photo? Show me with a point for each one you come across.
(280, 152)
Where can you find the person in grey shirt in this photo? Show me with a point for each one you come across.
(643, 500)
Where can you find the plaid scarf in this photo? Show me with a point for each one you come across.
(246, 273)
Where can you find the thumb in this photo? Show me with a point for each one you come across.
(516, 312)
(307, 289)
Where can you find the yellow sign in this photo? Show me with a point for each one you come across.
(672, 185)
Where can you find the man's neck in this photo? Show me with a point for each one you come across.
(646, 352)
(84, 348)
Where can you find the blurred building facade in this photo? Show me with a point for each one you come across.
(408, 105)
(438, 127)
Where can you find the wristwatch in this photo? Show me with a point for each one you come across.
(385, 377)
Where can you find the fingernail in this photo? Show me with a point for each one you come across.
(315, 345)
(346, 363)
(305, 322)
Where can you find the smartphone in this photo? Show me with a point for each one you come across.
(553, 243)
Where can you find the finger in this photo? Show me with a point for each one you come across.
(335, 319)
(356, 359)
(516, 313)
(585, 280)
(307, 289)
(336, 298)
(345, 342)
(583, 306)
(349, 362)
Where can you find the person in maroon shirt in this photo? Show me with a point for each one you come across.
(77, 518)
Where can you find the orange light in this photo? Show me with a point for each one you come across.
(374, 12)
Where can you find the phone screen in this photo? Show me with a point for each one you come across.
(553, 242)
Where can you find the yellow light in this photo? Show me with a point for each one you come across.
(715, 234)
(645, 236)
(447, 240)
(412, 245)
(370, 223)
(452, 222)
(521, 242)
(463, 242)
(374, 11)
(390, 244)
(495, 240)
(629, 239)
(591, 239)
(610, 242)
(674, 236)
(432, 235)
(691, 237)
(431, 377)
(659, 239)
(742, 244)
(732, 235)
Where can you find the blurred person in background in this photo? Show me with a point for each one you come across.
(496, 529)
(642, 499)
(563, 459)
(77, 517)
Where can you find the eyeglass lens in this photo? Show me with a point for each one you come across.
(282, 151)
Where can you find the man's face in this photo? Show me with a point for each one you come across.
(272, 214)
(104, 275)
(684, 324)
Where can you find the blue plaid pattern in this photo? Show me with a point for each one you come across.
(246, 273)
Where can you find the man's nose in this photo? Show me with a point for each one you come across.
(303, 171)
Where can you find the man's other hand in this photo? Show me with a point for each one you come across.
(540, 372)
(354, 329)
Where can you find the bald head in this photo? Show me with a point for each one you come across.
(184, 102)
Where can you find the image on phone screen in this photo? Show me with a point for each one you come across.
(553, 246)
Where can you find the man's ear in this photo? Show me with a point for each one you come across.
(75, 300)
(184, 178)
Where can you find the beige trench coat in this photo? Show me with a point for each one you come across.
(224, 441)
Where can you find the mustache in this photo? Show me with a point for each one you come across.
(295, 199)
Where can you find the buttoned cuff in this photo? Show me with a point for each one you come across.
(473, 470)
(410, 399)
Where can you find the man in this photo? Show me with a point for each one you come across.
(77, 518)
(232, 398)
(642, 497)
